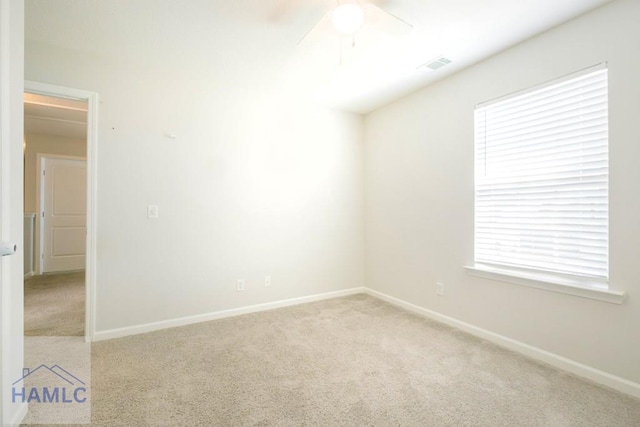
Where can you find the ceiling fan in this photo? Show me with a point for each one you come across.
(346, 18)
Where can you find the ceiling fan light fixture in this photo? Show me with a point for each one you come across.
(347, 18)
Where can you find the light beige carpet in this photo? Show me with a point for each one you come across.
(353, 361)
(54, 305)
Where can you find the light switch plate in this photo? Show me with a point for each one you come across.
(152, 211)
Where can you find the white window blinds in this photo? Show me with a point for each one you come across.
(541, 189)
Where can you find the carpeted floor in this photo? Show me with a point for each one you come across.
(54, 305)
(350, 361)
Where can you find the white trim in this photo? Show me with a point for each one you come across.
(30, 217)
(92, 215)
(92, 188)
(560, 362)
(11, 72)
(549, 283)
(19, 415)
(189, 320)
(582, 72)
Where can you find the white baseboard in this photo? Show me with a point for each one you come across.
(560, 362)
(29, 274)
(184, 321)
(19, 415)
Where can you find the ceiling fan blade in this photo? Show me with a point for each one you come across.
(289, 10)
(379, 3)
(322, 27)
(284, 10)
(385, 21)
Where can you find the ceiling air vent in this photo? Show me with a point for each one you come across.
(437, 63)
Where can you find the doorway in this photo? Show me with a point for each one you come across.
(65, 203)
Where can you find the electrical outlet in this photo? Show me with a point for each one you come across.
(267, 281)
(240, 285)
(440, 288)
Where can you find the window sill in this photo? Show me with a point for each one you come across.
(548, 283)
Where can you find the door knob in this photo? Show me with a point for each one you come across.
(7, 248)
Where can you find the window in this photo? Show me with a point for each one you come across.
(541, 179)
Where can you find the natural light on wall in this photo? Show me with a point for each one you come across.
(541, 190)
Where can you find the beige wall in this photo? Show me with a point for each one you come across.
(45, 144)
(419, 161)
(256, 182)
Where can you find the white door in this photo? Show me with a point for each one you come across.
(63, 214)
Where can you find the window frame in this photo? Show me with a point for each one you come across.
(594, 288)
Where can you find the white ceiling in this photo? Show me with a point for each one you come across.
(243, 38)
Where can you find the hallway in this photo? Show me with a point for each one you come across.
(54, 305)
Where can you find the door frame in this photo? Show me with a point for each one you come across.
(40, 202)
(92, 188)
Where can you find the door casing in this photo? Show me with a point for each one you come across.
(92, 187)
